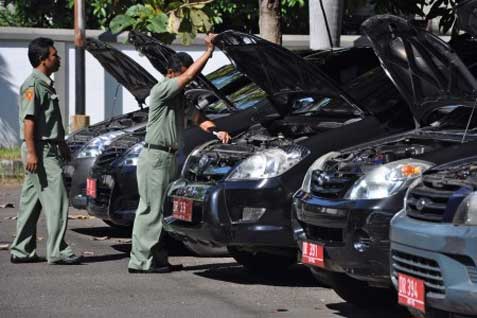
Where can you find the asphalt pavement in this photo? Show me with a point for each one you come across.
(102, 287)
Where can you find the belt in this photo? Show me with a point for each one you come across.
(168, 149)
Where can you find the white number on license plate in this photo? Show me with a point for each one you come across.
(182, 209)
(313, 254)
(411, 292)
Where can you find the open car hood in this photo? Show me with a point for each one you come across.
(467, 16)
(281, 73)
(158, 54)
(426, 71)
(123, 68)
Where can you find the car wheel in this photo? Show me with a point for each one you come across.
(259, 262)
(430, 313)
(203, 250)
(361, 294)
(325, 278)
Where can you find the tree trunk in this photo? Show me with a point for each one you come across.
(319, 36)
(269, 21)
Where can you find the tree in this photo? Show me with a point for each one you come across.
(165, 19)
(269, 21)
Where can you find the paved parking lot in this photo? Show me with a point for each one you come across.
(101, 287)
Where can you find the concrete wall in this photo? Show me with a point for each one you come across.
(100, 86)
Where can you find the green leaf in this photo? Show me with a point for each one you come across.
(135, 10)
(158, 23)
(200, 20)
(120, 23)
(173, 24)
(186, 38)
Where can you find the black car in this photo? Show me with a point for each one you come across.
(239, 195)
(87, 144)
(342, 212)
(242, 99)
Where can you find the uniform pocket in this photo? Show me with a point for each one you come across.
(160, 159)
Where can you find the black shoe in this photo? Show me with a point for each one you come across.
(19, 260)
(71, 260)
(157, 270)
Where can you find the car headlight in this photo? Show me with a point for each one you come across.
(97, 145)
(466, 213)
(319, 164)
(269, 163)
(131, 157)
(388, 179)
(194, 153)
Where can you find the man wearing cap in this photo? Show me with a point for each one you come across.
(156, 166)
(43, 151)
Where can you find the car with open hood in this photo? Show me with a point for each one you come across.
(342, 212)
(434, 240)
(117, 197)
(239, 194)
(112, 137)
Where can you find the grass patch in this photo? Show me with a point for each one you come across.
(10, 153)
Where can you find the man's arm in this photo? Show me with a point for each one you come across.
(29, 135)
(209, 127)
(196, 67)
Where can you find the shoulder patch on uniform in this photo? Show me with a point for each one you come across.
(28, 94)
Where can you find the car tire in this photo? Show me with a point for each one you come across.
(362, 295)
(259, 262)
(325, 278)
(207, 251)
(117, 226)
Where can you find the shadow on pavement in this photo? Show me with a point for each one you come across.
(103, 258)
(349, 311)
(297, 276)
(103, 231)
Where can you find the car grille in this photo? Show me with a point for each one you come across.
(332, 184)
(103, 195)
(323, 234)
(426, 269)
(428, 200)
(117, 148)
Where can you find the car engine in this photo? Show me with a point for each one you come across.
(215, 160)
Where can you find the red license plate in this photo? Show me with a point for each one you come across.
(411, 292)
(182, 209)
(91, 187)
(313, 254)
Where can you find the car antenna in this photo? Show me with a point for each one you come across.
(326, 24)
(470, 118)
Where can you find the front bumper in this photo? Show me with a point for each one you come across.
(75, 174)
(443, 255)
(116, 195)
(354, 233)
(218, 214)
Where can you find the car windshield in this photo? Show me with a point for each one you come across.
(310, 106)
(223, 76)
(454, 118)
(248, 96)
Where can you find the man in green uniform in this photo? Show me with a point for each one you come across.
(157, 167)
(43, 150)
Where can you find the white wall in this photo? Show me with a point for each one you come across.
(100, 86)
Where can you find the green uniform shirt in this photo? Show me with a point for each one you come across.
(38, 98)
(166, 114)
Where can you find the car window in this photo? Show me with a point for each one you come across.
(312, 105)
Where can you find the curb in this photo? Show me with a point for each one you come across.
(11, 168)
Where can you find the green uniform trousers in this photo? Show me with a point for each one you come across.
(155, 170)
(43, 189)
